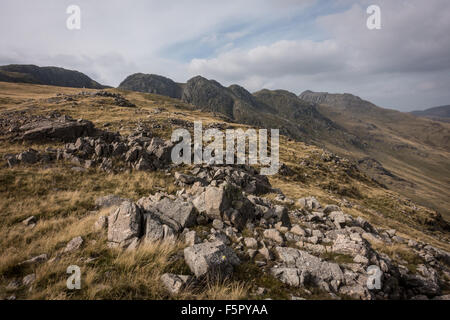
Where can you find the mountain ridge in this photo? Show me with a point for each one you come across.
(54, 76)
(411, 151)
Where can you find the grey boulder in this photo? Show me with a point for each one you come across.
(212, 259)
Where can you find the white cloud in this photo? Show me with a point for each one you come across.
(406, 64)
(398, 66)
(278, 59)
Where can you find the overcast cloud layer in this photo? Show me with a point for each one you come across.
(290, 44)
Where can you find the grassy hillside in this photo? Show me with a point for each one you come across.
(415, 150)
(63, 201)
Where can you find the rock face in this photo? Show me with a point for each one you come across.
(151, 83)
(214, 259)
(124, 225)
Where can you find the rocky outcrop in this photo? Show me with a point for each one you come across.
(119, 100)
(239, 176)
(92, 148)
(62, 129)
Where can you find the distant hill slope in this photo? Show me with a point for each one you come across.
(53, 76)
(415, 150)
(436, 113)
(345, 101)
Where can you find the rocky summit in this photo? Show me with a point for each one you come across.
(88, 180)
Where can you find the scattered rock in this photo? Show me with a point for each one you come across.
(275, 235)
(30, 221)
(35, 260)
(29, 279)
(251, 243)
(309, 203)
(74, 244)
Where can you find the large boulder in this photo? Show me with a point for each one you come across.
(212, 259)
(274, 235)
(124, 225)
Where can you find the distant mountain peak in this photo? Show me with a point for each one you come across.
(152, 83)
(435, 113)
(54, 76)
(338, 100)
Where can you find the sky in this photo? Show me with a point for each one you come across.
(296, 45)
